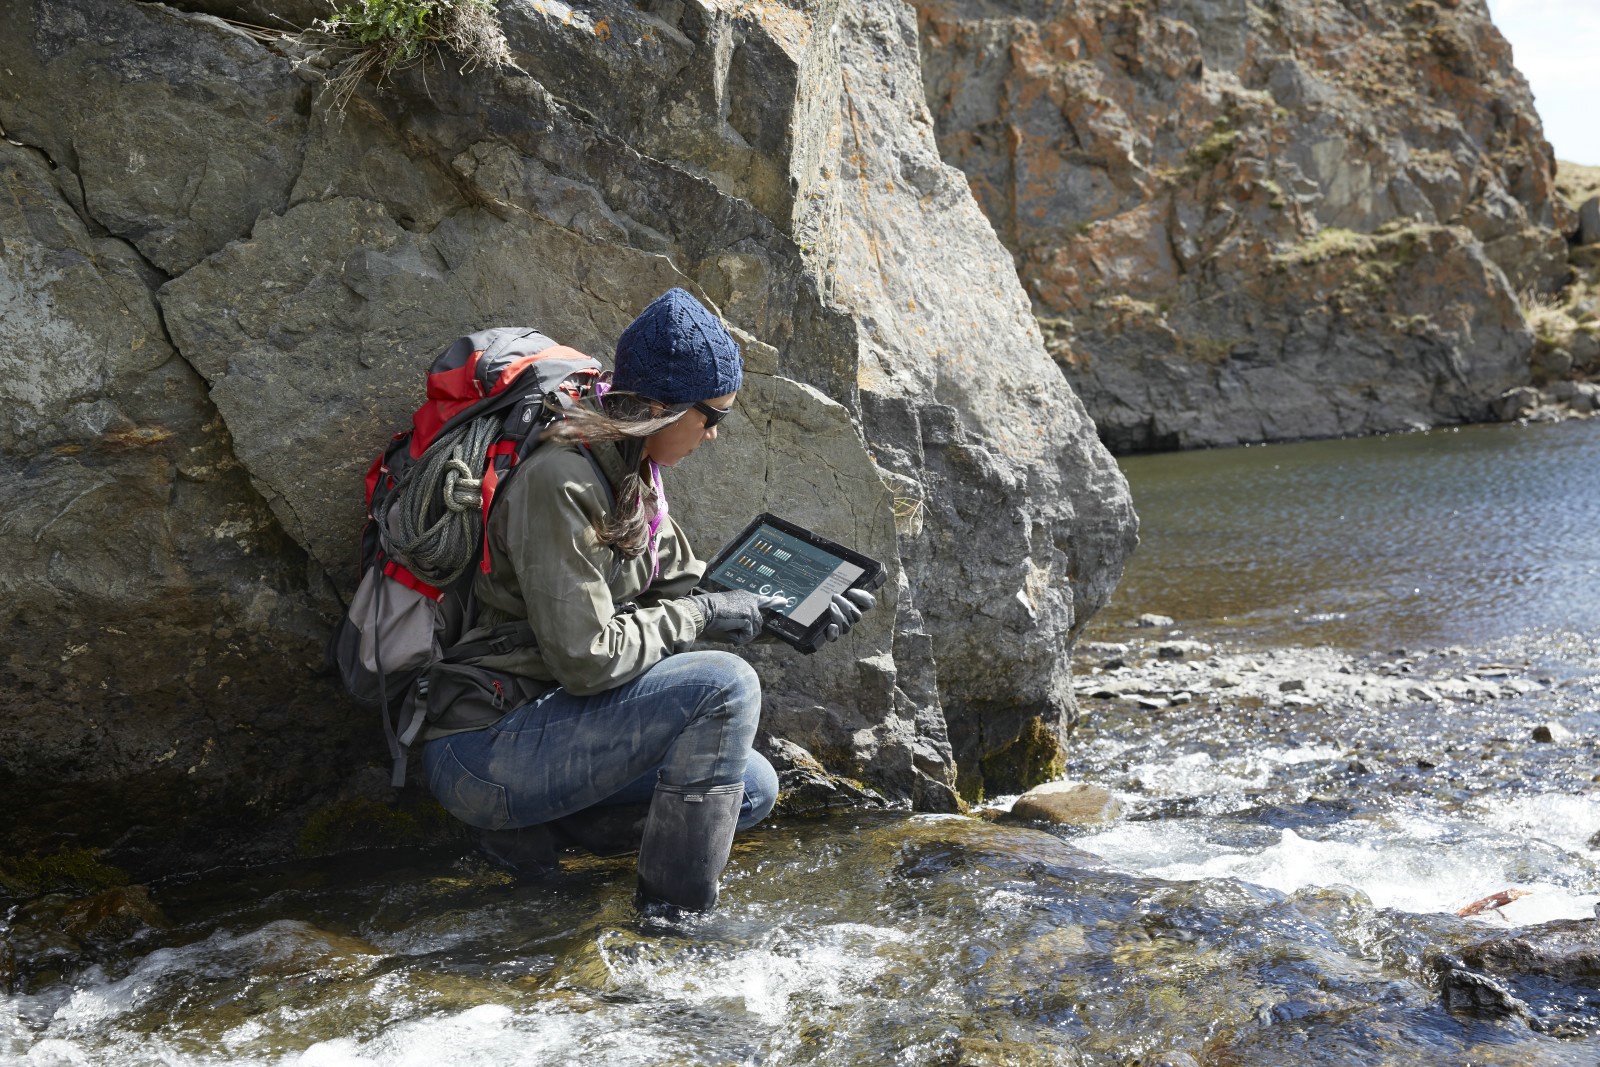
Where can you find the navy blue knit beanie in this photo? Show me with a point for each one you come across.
(677, 352)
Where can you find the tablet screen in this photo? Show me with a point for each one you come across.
(773, 563)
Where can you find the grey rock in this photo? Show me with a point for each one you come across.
(1468, 992)
(1291, 685)
(1150, 620)
(996, 445)
(1585, 398)
(181, 131)
(1516, 403)
(1539, 971)
(1585, 347)
(1567, 950)
(1589, 221)
(1551, 732)
(309, 266)
(158, 623)
(1554, 362)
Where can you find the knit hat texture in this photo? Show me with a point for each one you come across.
(677, 352)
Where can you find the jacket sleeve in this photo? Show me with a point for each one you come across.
(562, 571)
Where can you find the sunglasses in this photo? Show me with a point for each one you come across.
(713, 415)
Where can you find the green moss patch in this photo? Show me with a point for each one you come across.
(77, 871)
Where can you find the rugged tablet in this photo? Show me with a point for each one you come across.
(773, 557)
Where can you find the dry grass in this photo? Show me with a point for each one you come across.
(1575, 183)
(1547, 317)
(381, 36)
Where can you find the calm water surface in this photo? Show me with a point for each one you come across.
(1278, 889)
(1461, 535)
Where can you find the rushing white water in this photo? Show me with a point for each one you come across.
(1414, 863)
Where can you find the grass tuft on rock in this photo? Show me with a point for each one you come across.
(389, 35)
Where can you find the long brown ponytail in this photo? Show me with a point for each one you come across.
(627, 419)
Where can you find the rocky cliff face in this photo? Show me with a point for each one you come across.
(1254, 221)
(220, 294)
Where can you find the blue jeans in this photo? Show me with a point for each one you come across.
(689, 720)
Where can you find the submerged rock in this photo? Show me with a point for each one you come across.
(1547, 974)
(1471, 993)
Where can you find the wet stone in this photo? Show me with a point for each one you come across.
(1467, 992)
(1292, 685)
(990, 1052)
(1551, 732)
(113, 915)
(1174, 1059)
(1067, 804)
(1152, 621)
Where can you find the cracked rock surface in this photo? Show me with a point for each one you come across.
(1245, 222)
(220, 298)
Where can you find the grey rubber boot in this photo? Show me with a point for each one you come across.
(687, 837)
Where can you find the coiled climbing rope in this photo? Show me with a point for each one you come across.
(436, 517)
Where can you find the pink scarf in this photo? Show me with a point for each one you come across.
(657, 521)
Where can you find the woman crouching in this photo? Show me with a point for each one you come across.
(639, 740)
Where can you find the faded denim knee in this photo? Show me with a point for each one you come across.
(714, 745)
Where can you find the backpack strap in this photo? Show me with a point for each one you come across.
(397, 748)
(500, 640)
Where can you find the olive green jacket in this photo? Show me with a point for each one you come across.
(546, 566)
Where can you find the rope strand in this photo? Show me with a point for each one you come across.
(436, 518)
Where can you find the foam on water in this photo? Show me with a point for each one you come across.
(1562, 819)
(498, 1034)
(1416, 863)
(1218, 784)
(829, 966)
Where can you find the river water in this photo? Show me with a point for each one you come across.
(1328, 753)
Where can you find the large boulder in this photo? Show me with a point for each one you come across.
(234, 332)
(163, 636)
(1164, 174)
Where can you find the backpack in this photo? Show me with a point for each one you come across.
(398, 646)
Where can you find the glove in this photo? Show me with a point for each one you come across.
(733, 616)
(846, 610)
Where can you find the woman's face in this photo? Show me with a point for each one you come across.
(675, 442)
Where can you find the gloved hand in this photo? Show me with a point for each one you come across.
(846, 610)
(733, 616)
